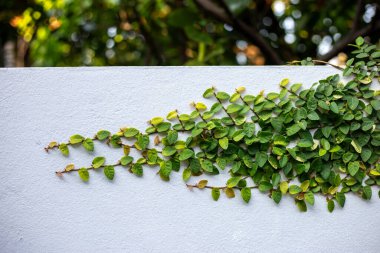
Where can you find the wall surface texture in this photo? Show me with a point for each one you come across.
(40, 212)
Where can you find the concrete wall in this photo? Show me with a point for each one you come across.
(40, 212)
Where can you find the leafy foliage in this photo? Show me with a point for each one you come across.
(189, 32)
(301, 142)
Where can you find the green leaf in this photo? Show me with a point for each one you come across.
(367, 124)
(109, 171)
(295, 87)
(330, 205)
(208, 93)
(163, 127)
(83, 174)
(246, 194)
(340, 198)
(169, 151)
(301, 205)
(265, 186)
(294, 189)
(359, 41)
(130, 132)
(172, 137)
(185, 154)
(293, 130)
(88, 144)
(142, 141)
(362, 55)
(367, 192)
(353, 168)
(356, 146)
(376, 104)
(264, 136)
(64, 149)
(233, 181)
(325, 144)
(222, 96)
(261, 158)
(125, 160)
(353, 102)
(366, 154)
(215, 193)
(313, 116)
(276, 196)
(98, 162)
(375, 54)
(166, 168)
(76, 138)
(102, 135)
(233, 108)
(326, 131)
(334, 107)
(223, 142)
(309, 198)
(277, 123)
(186, 174)
(137, 169)
(207, 165)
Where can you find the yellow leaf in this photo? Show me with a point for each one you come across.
(332, 190)
(284, 82)
(284, 186)
(52, 144)
(374, 173)
(172, 115)
(126, 149)
(202, 184)
(230, 193)
(156, 120)
(200, 106)
(240, 89)
(305, 185)
(69, 167)
(157, 140)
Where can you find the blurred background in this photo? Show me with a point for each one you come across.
(188, 32)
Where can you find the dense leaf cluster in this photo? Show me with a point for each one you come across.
(321, 140)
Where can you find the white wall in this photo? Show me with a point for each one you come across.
(40, 212)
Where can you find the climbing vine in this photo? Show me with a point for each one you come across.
(301, 142)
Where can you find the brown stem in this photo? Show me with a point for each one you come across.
(224, 109)
(220, 187)
(224, 15)
(200, 114)
(88, 168)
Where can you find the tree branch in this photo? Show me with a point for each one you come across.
(355, 32)
(358, 14)
(224, 15)
(149, 39)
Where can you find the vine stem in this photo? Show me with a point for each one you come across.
(295, 94)
(87, 168)
(95, 138)
(250, 108)
(219, 187)
(180, 121)
(200, 114)
(320, 61)
(225, 110)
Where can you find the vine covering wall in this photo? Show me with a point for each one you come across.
(300, 142)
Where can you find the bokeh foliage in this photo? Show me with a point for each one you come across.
(192, 32)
